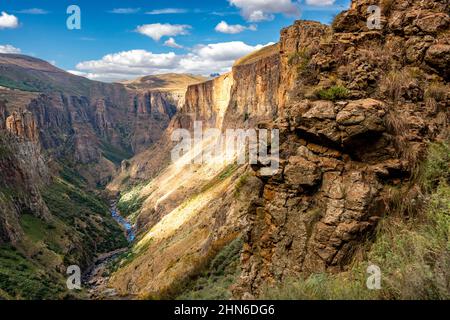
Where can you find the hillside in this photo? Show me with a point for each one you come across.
(164, 82)
(359, 143)
(62, 137)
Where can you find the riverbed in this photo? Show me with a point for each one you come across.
(97, 277)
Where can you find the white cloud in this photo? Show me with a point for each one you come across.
(260, 10)
(7, 48)
(125, 10)
(166, 11)
(225, 51)
(8, 21)
(157, 30)
(224, 27)
(77, 73)
(172, 43)
(33, 11)
(202, 59)
(320, 2)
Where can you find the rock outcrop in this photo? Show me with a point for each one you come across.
(340, 156)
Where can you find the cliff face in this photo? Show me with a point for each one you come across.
(194, 210)
(90, 124)
(341, 157)
(23, 173)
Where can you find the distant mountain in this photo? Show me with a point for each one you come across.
(164, 82)
(32, 74)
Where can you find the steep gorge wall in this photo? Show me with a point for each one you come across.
(23, 172)
(194, 210)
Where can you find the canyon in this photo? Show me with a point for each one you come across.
(357, 110)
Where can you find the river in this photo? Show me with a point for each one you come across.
(130, 230)
(97, 277)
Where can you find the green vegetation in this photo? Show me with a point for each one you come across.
(19, 85)
(71, 176)
(335, 93)
(413, 252)
(318, 287)
(80, 210)
(113, 153)
(300, 59)
(227, 172)
(240, 183)
(22, 279)
(215, 280)
(436, 167)
(79, 227)
(130, 202)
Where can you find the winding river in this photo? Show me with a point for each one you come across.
(130, 230)
(96, 278)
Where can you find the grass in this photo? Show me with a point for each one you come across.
(437, 166)
(34, 227)
(435, 92)
(130, 202)
(335, 93)
(300, 59)
(395, 84)
(213, 283)
(227, 172)
(80, 210)
(240, 183)
(258, 55)
(413, 252)
(24, 86)
(20, 278)
(113, 153)
(80, 226)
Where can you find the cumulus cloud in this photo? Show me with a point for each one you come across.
(33, 11)
(320, 2)
(8, 21)
(172, 43)
(261, 10)
(202, 59)
(7, 48)
(224, 27)
(157, 30)
(166, 11)
(125, 10)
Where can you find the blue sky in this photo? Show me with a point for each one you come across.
(124, 39)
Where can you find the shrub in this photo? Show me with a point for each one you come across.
(436, 92)
(214, 281)
(334, 93)
(436, 166)
(318, 287)
(396, 84)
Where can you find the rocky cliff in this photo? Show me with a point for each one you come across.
(90, 124)
(356, 109)
(363, 108)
